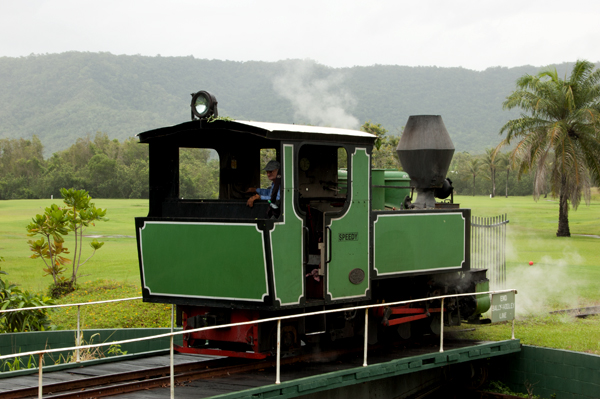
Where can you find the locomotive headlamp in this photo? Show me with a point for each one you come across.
(203, 105)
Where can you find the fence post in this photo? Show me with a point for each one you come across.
(366, 337)
(442, 327)
(40, 384)
(278, 371)
(172, 370)
(503, 253)
(513, 327)
(78, 343)
(172, 360)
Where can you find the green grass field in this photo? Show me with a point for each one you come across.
(566, 270)
(116, 260)
(565, 274)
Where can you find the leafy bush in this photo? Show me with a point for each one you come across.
(501, 388)
(61, 288)
(11, 297)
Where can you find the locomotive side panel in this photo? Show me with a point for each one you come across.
(187, 260)
(287, 241)
(348, 241)
(418, 242)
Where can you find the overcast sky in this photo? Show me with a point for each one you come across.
(468, 33)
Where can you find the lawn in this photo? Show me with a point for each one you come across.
(113, 272)
(129, 314)
(565, 273)
(116, 260)
(566, 270)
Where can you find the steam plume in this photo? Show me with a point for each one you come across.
(545, 285)
(317, 100)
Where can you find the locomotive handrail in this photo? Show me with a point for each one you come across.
(172, 334)
(79, 305)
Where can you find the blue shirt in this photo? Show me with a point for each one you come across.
(265, 193)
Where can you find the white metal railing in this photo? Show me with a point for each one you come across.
(172, 334)
(79, 305)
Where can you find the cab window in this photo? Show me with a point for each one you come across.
(318, 174)
(198, 173)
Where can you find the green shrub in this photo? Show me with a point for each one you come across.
(503, 389)
(18, 364)
(61, 288)
(11, 297)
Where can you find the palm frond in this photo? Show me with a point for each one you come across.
(558, 134)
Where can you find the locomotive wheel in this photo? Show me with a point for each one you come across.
(404, 330)
(434, 325)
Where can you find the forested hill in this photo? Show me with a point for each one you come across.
(60, 97)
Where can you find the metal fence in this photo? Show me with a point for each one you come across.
(366, 308)
(488, 247)
(78, 335)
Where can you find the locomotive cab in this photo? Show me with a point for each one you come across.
(230, 253)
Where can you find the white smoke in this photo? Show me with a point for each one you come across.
(546, 285)
(316, 100)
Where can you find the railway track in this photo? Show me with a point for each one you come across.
(580, 312)
(116, 384)
(159, 377)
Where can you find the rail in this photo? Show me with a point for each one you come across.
(79, 305)
(172, 334)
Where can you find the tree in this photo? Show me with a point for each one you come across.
(81, 213)
(384, 154)
(489, 161)
(102, 176)
(560, 120)
(21, 165)
(472, 168)
(53, 225)
(134, 182)
(376, 129)
(59, 173)
(504, 164)
(198, 174)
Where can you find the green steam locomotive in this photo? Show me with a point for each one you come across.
(335, 233)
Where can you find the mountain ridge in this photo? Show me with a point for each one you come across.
(61, 97)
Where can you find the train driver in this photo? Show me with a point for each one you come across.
(266, 194)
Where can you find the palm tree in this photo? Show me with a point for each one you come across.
(490, 161)
(473, 168)
(561, 122)
(503, 159)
